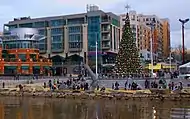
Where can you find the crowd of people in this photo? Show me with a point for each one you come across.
(148, 84)
(72, 83)
(159, 74)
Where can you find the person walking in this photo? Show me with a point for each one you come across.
(126, 84)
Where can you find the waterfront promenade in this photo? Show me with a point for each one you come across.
(36, 89)
(102, 82)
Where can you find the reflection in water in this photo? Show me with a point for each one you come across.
(29, 108)
(180, 113)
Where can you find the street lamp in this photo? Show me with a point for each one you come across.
(151, 48)
(183, 45)
(79, 62)
(170, 61)
(96, 59)
(96, 46)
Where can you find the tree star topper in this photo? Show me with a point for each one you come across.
(127, 7)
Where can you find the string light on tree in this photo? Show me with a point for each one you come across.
(128, 60)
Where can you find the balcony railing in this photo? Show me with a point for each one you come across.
(75, 49)
(105, 30)
(105, 46)
(61, 64)
(105, 21)
(105, 38)
(25, 60)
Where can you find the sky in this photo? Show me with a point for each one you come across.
(172, 9)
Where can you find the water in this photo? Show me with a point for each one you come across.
(30, 108)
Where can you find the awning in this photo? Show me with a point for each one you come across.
(46, 67)
(24, 67)
(36, 67)
(11, 67)
(156, 67)
(168, 67)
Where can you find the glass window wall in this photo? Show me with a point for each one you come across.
(56, 31)
(58, 22)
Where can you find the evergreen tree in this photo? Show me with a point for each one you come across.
(128, 60)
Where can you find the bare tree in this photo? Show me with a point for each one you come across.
(178, 52)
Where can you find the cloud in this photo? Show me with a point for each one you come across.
(10, 9)
(176, 38)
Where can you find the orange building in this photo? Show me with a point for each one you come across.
(166, 37)
(145, 37)
(19, 53)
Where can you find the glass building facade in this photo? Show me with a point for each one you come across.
(67, 34)
(75, 36)
(19, 53)
(94, 33)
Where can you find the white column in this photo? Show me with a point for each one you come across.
(151, 55)
(96, 59)
(49, 41)
(170, 62)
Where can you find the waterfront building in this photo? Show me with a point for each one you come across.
(73, 37)
(19, 53)
(166, 37)
(141, 28)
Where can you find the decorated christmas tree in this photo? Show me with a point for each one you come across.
(128, 60)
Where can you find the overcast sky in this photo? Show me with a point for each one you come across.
(172, 9)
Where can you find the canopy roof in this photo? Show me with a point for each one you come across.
(185, 65)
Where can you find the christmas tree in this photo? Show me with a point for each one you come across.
(128, 60)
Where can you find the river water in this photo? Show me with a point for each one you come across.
(31, 108)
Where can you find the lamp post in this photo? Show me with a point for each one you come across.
(170, 62)
(96, 59)
(151, 48)
(183, 44)
(79, 62)
(96, 52)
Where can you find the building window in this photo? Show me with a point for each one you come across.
(56, 31)
(133, 18)
(75, 29)
(59, 22)
(115, 22)
(39, 24)
(148, 55)
(22, 57)
(75, 37)
(75, 45)
(76, 21)
(93, 32)
(41, 31)
(27, 25)
(12, 27)
(42, 41)
(57, 46)
(56, 39)
(42, 46)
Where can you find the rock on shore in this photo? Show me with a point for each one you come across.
(93, 95)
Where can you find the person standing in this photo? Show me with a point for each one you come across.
(116, 85)
(146, 84)
(126, 84)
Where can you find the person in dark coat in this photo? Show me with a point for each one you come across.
(116, 85)
(172, 86)
(146, 84)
